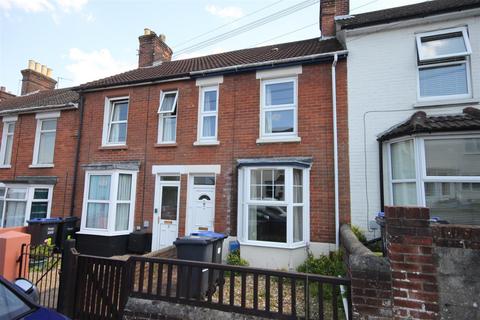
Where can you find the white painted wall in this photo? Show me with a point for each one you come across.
(382, 80)
(281, 258)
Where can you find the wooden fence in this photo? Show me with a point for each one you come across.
(245, 290)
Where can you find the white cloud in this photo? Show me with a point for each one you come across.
(225, 12)
(69, 5)
(88, 66)
(27, 5)
(54, 7)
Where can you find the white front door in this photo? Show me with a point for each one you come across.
(201, 203)
(165, 216)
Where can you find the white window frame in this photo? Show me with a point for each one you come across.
(202, 114)
(5, 135)
(466, 40)
(41, 117)
(28, 199)
(112, 203)
(424, 63)
(244, 201)
(278, 137)
(421, 176)
(107, 123)
(167, 114)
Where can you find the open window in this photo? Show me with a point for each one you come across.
(167, 117)
(443, 64)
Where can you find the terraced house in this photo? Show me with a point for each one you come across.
(37, 149)
(240, 142)
(418, 141)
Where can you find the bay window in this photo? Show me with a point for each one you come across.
(440, 172)
(273, 206)
(20, 203)
(443, 64)
(167, 112)
(109, 202)
(115, 122)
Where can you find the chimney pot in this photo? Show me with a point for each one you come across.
(37, 77)
(152, 49)
(3, 89)
(147, 31)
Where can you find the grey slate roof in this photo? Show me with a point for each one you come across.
(41, 99)
(419, 122)
(419, 10)
(182, 68)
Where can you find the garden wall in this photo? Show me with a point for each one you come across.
(431, 271)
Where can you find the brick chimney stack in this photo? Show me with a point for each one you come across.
(4, 94)
(152, 49)
(329, 9)
(37, 77)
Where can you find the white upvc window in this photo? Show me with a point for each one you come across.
(167, 117)
(7, 141)
(109, 202)
(115, 121)
(444, 65)
(208, 115)
(278, 109)
(20, 203)
(274, 206)
(45, 135)
(441, 172)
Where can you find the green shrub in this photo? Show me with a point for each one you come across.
(327, 265)
(359, 234)
(234, 259)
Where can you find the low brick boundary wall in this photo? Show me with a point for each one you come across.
(371, 279)
(431, 270)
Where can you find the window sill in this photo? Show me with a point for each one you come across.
(40, 166)
(6, 166)
(114, 147)
(206, 143)
(165, 145)
(439, 103)
(273, 245)
(279, 140)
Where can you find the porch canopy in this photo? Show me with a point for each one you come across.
(419, 122)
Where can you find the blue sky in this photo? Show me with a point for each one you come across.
(82, 40)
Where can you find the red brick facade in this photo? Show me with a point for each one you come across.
(64, 157)
(238, 129)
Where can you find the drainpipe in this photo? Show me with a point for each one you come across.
(77, 155)
(335, 150)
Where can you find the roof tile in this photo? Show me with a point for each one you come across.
(181, 68)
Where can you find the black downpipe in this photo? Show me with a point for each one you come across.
(77, 155)
(380, 159)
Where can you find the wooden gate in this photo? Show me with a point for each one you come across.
(101, 288)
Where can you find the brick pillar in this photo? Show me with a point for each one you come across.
(410, 251)
(10, 250)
